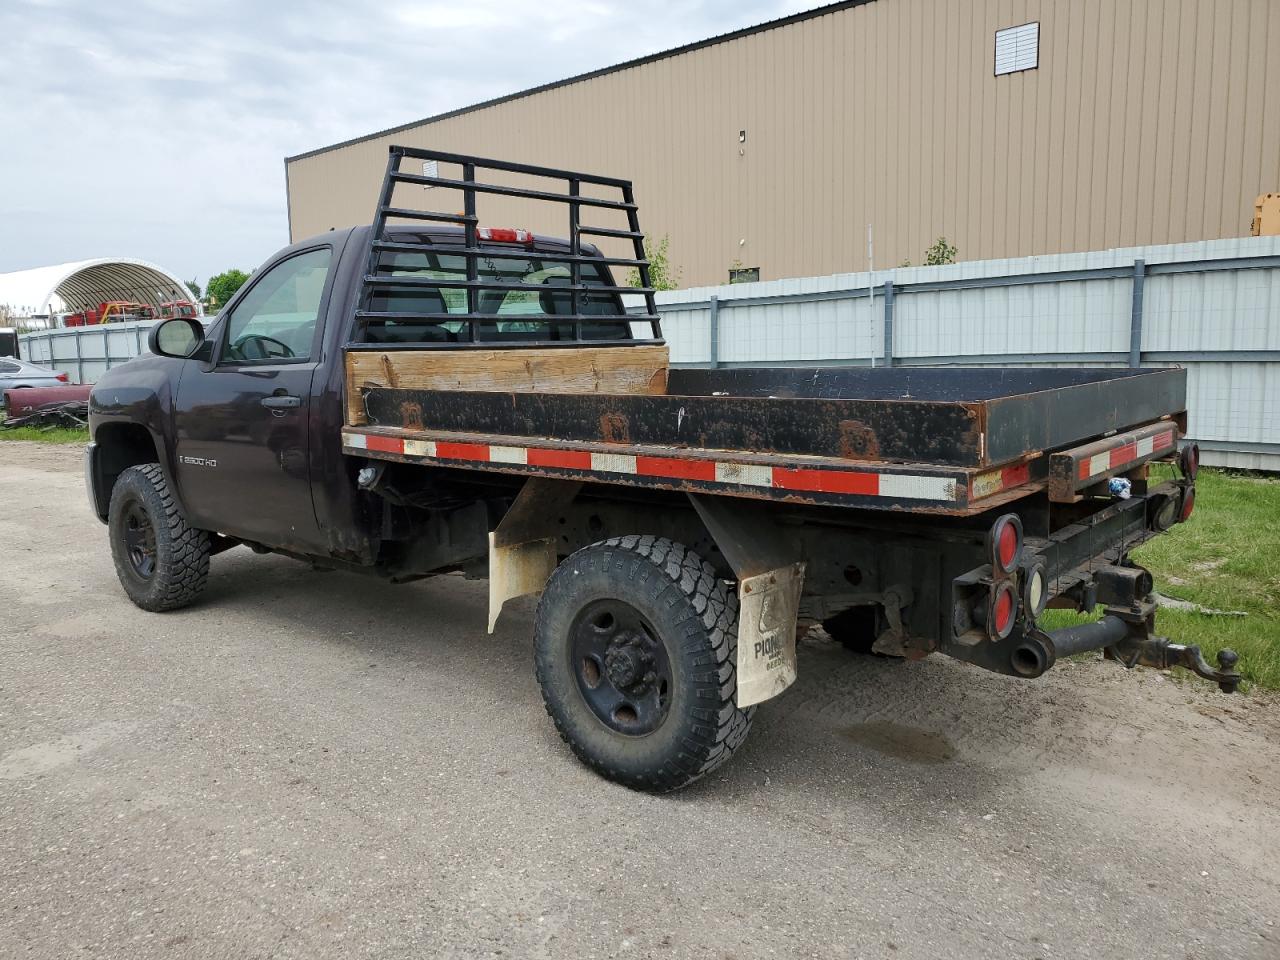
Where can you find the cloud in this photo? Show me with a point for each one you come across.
(158, 129)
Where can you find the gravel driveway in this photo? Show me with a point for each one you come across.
(323, 765)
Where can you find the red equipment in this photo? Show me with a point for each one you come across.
(177, 308)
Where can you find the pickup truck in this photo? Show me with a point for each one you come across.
(430, 395)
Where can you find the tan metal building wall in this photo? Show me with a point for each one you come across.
(1147, 121)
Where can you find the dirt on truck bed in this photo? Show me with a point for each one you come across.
(325, 765)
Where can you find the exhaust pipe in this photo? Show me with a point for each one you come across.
(1038, 652)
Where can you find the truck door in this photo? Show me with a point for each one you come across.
(243, 443)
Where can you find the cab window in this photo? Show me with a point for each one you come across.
(276, 320)
(518, 315)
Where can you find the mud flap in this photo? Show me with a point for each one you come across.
(517, 570)
(522, 549)
(768, 604)
(770, 575)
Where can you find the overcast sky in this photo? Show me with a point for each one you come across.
(159, 129)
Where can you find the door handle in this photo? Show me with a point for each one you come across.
(281, 403)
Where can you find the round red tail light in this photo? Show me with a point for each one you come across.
(1004, 609)
(1005, 542)
(1188, 504)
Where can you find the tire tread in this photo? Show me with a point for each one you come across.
(182, 577)
(662, 566)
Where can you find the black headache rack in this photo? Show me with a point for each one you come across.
(568, 328)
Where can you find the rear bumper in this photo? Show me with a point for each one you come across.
(1084, 564)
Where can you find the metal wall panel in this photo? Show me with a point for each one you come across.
(1147, 121)
(86, 353)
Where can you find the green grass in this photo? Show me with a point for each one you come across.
(1226, 557)
(41, 435)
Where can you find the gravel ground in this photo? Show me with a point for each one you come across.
(323, 765)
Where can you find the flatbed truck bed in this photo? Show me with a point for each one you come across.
(951, 441)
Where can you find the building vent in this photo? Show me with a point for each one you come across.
(1018, 48)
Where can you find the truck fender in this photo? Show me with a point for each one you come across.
(130, 414)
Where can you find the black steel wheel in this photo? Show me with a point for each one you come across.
(635, 651)
(162, 562)
(622, 668)
(139, 539)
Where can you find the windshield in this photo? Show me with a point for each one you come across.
(519, 315)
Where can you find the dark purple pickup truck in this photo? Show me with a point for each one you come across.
(430, 394)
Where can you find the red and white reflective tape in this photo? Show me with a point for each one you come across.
(1124, 454)
(804, 479)
(994, 481)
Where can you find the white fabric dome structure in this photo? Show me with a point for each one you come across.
(72, 287)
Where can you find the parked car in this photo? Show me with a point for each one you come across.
(19, 373)
(414, 400)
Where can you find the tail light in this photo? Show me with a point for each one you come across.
(1004, 610)
(505, 235)
(1189, 460)
(1035, 591)
(1188, 504)
(1004, 543)
(64, 378)
(1164, 512)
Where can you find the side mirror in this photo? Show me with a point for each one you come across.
(178, 337)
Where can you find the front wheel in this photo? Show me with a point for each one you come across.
(635, 651)
(162, 562)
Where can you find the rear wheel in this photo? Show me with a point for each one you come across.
(635, 651)
(162, 562)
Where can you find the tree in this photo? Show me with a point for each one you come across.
(223, 287)
(660, 275)
(194, 286)
(941, 252)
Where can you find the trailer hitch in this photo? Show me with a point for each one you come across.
(1160, 653)
(1140, 647)
(1124, 635)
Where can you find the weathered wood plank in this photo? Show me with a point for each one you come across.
(641, 369)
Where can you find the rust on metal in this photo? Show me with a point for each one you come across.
(858, 441)
(615, 428)
(1124, 453)
(411, 415)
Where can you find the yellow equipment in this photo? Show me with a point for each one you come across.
(1266, 215)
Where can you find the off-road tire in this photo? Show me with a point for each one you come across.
(694, 615)
(181, 556)
(854, 629)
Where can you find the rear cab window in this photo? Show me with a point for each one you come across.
(518, 315)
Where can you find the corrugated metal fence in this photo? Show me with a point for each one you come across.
(86, 353)
(1213, 307)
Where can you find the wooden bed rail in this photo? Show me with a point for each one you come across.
(641, 369)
